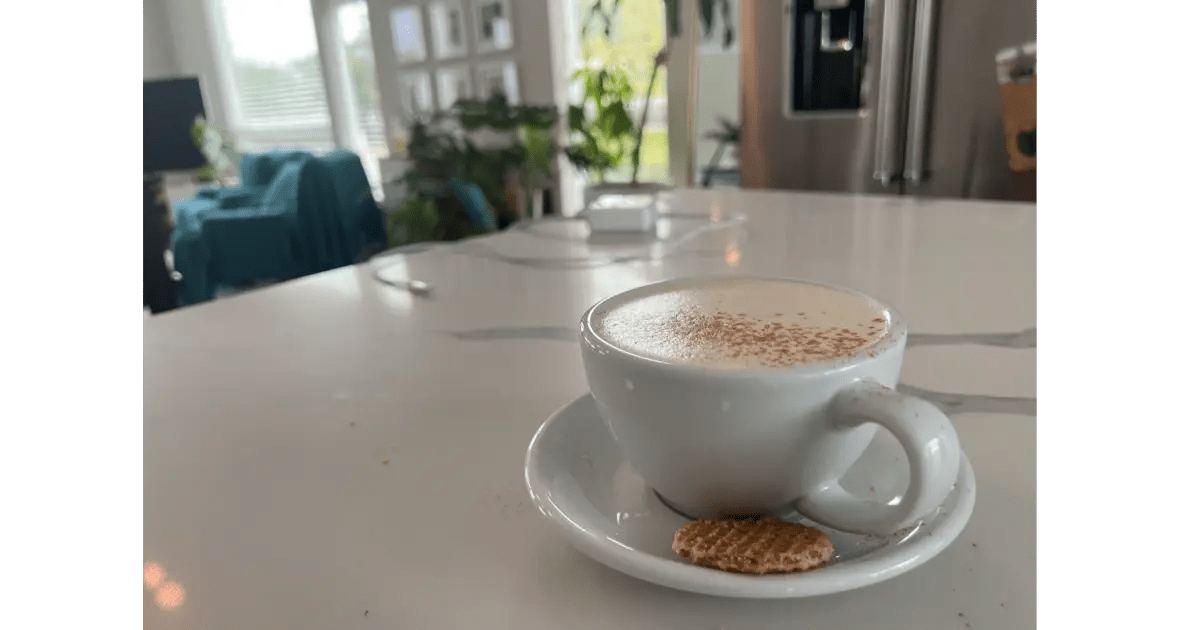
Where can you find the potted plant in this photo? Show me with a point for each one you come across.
(524, 140)
(472, 169)
(223, 158)
(727, 136)
(603, 131)
(602, 127)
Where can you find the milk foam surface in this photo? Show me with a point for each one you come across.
(744, 323)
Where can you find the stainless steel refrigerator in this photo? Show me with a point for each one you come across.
(877, 96)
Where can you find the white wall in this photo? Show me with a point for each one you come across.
(719, 73)
(545, 63)
(158, 48)
(719, 69)
(192, 39)
(540, 67)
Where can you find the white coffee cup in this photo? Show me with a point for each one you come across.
(715, 441)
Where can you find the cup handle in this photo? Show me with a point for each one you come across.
(929, 441)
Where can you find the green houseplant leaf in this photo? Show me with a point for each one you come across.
(707, 10)
(614, 120)
(602, 128)
(575, 118)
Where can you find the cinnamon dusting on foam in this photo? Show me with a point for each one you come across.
(745, 324)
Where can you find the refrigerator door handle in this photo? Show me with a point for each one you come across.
(891, 79)
(919, 95)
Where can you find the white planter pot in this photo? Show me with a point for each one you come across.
(594, 191)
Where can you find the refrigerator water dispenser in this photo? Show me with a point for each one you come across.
(827, 46)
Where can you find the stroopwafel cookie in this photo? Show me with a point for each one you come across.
(765, 545)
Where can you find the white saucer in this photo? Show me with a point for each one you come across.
(578, 477)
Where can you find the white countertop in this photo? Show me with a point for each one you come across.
(336, 453)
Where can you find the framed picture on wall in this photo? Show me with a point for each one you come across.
(408, 36)
(498, 77)
(416, 92)
(493, 25)
(447, 20)
(452, 84)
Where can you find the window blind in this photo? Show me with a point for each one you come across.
(279, 95)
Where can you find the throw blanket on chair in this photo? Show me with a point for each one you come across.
(294, 214)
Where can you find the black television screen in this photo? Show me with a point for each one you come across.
(169, 107)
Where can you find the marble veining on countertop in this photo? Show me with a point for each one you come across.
(334, 452)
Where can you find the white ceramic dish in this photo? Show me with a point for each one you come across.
(578, 477)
